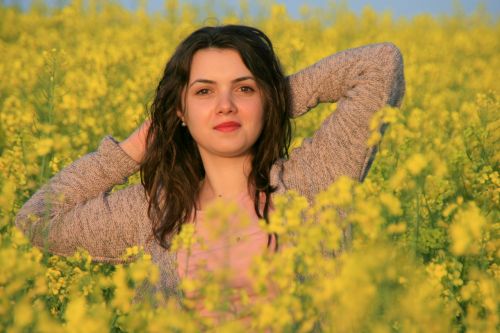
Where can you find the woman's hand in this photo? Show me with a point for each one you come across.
(135, 144)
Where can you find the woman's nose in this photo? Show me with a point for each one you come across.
(226, 103)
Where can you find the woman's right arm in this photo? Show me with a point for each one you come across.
(76, 209)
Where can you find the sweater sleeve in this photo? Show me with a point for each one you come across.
(75, 209)
(361, 80)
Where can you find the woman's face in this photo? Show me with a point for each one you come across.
(224, 106)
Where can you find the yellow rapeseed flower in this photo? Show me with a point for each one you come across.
(467, 230)
(416, 163)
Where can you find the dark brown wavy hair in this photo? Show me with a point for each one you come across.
(172, 169)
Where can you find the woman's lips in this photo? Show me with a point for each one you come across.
(228, 126)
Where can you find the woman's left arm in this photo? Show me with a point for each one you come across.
(361, 80)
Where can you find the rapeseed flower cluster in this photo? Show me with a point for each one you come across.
(413, 248)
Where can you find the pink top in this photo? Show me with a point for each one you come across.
(234, 247)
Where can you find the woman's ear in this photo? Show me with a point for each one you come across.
(180, 115)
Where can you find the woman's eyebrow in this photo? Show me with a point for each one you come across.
(243, 78)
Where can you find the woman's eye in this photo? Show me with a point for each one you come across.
(203, 91)
(206, 91)
(247, 89)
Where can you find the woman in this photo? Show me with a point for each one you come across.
(219, 127)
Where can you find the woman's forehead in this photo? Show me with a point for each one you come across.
(215, 64)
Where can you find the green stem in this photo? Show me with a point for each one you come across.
(417, 224)
(41, 178)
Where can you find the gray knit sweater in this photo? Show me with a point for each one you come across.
(76, 209)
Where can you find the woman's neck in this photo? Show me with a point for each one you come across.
(225, 178)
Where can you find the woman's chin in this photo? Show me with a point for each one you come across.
(228, 149)
(232, 153)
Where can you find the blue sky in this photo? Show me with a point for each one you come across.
(408, 8)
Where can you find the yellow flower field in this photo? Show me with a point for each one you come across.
(424, 256)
